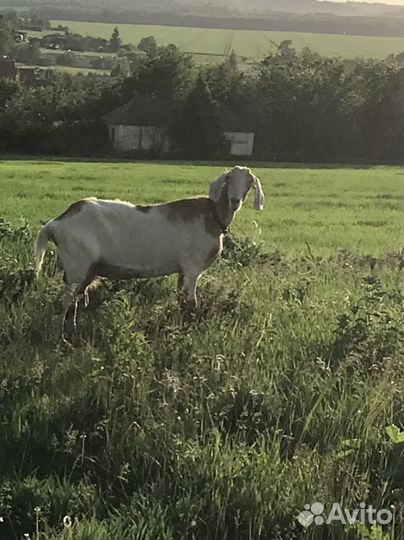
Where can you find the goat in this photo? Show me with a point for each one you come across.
(118, 240)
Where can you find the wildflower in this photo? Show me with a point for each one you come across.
(67, 522)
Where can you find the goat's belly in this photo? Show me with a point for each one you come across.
(126, 255)
(116, 270)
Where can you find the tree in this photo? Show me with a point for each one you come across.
(28, 53)
(285, 51)
(226, 83)
(121, 68)
(8, 88)
(147, 43)
(115, 40)
(60, 118)
(232, 61)
(196, 134)
(39, 21)
(165, 72)
(7, 28)
(66, 59)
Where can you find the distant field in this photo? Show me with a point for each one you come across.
(359, 210)
(13, 8)
(248, 43)
(74, 70)
(82, 54)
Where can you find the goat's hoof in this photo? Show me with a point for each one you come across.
(65, 342)
(188, 316)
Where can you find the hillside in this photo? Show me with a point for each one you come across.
(325, 17)
(236, 6)
(211, 44)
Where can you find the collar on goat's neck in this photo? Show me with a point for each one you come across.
(221, 211)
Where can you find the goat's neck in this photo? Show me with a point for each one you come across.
(224, 211)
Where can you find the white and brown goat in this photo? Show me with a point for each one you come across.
(118, 240)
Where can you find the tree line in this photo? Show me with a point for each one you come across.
(302, 106)
(288, 15)
(272, 21)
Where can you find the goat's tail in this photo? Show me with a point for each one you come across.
(40, 246)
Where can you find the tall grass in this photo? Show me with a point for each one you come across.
(277, 395)
(285, 390)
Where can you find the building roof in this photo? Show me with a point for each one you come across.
(153, 111)
(143, 111)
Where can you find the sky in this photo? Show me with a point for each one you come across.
(392, 2)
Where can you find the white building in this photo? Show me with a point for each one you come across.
(142, 124)
(239, 133)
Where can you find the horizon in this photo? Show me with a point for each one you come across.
(389, 2)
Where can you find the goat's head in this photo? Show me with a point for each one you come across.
(238, 183)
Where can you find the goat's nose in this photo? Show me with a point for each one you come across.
(234, 201)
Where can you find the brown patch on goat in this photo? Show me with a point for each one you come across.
(73, 209)
(185, 210)
(188, 210)
(92, 280)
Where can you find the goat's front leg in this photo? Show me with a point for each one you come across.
(85, 298)
(189, 302)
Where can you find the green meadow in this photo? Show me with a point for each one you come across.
(284, 390)
(251, 44)
(327, 209)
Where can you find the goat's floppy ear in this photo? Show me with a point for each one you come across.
(216, 187)
(259, 200)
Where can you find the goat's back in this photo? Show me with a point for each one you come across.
(152, 240)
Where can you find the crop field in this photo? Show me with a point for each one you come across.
(284, 390)
(250, 44)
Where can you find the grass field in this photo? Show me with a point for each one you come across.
(85, 71)
(246, 43)
(286, 388)
(328, 209)
(85, 54)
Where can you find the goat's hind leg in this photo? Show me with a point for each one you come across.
(189, 303)
(68, 297)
